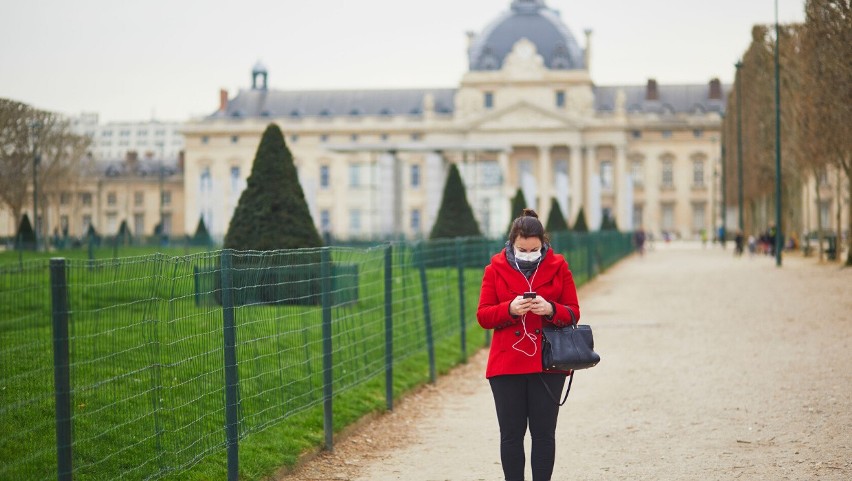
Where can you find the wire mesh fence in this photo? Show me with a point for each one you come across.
(143, 367)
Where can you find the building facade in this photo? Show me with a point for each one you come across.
(526, 115)
(115, 140)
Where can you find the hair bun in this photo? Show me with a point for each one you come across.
(529, 213)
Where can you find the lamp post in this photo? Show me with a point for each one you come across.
(739, 66)
(36, 128)
(779, 241)
(724, 189)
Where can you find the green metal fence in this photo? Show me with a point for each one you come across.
(143, 367)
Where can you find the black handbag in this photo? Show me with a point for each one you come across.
(567, 349)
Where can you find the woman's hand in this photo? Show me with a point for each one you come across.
(520, 306)
(537, 305)
(541, 307)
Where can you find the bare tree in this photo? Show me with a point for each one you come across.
(25, 131)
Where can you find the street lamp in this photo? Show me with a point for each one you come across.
(36, 128)
(739, 66)
(779, 242)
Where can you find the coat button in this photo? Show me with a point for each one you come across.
(538, 331)
(518, 333)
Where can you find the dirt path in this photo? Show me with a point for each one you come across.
(713, 368)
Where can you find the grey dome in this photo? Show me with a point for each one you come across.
(533, 20)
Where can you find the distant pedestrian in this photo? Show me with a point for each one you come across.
(639, 241)
(525, 287)
(738, 243)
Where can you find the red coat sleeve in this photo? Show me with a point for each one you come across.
(493, 313)
(567, 305)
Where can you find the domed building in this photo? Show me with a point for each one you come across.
(526, 115)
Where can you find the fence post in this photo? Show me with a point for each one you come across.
(389, 326)
(430, 342)
(61, 367)
(460, 263)
(325, 274)
(231, 375)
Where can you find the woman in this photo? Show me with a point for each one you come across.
(507, 305)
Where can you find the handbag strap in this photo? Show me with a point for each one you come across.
(550, 393)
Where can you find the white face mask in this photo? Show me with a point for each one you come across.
(527, 256)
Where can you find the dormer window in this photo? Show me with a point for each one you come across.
(295, 113)
(386, 112)
(355, 112)
(325, 113)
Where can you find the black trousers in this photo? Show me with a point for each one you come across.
(521, 400)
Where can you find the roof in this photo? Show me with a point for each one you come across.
(533, 20)
(337, 103)
(689, 98)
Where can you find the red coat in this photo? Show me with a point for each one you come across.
(501, 283)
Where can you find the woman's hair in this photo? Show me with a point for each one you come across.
(528, 225)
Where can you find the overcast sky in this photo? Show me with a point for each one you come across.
(167, 59)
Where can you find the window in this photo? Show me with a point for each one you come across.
(825, 213)
(416, 136)
(325, 220)
(415, 220)
(141, 133)
(698, 173)
(324, 138)
(355, 221)
(668, 173)
(491, 174)
(86, 198)
(112, 223)
(63, 224)
(822, 177)
(206, 182)
(294, 138)
(138, 198)
(205, 139)
(489, 100)
(106, 133)
(697, 133)
(160, 133)
(637, 134)
(668, 217)
(354, 175)
(111, 198)
(166, 198)
(637, 173)
(64, 198)
(415, 176)
(606, 175)
(324, 180)
(353, 137)
(124, 133)
(167, 224)
(667, 134)
(87, 221)
(235, 139)
(138, 223)
(698, 215)
(384, 137)
(560, 98)
(235, 179)
(637, 216)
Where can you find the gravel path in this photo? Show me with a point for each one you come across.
(713, 368)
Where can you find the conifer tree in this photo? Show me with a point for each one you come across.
(608, 222)
(455, 216)
(272, 212)
(201, 236)
(519, 203)
(25, 239)
(555, 220)
(123, 236)
(580, 224)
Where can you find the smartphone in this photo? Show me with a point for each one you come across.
(529, 295)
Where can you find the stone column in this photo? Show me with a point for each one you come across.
(575, 174)
(502, 216)
(591, 153)
(623, 199)
(545, 181)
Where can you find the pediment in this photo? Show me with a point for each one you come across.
(521, 116)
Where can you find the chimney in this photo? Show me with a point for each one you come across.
(587, 54)
(651, 92)
(223, 100)
(715, 90)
